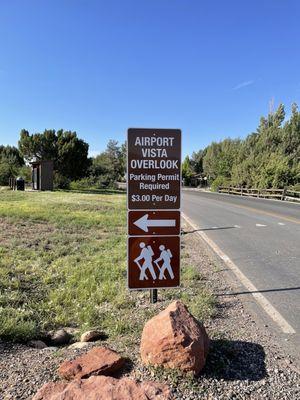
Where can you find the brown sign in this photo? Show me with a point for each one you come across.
(153, 170)
(154, 223)
(153, 262)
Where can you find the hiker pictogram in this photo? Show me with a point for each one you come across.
(165, 256)
(147, 254)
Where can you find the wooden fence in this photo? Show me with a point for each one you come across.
(12, 183)
(279, 194)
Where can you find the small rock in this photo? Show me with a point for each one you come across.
(103, 387)
(91, 336)
(175, 339)
(50, 348)
(78, 345)
(98, 361)
(59, 337)
(37, 344)
(71, 331)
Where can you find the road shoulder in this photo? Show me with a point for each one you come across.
(252, 363)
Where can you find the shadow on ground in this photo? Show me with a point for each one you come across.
(94, 191)
(127, 368)
(235, 360)
(213, 228)
(259, 291)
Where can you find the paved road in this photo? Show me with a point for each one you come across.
(262, 237)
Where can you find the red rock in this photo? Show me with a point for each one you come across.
(98, 361)
(103, 388)
(50, 390)
(175, 339)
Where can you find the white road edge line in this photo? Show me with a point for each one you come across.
(260, 298)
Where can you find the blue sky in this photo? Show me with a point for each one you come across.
(99, 67)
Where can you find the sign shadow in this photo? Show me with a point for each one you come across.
(232, 360)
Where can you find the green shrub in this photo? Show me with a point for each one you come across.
(219, 181)
(60, 181)
(83, 184)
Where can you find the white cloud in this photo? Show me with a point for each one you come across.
(243, 84)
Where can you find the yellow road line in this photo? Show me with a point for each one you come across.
(270, 213)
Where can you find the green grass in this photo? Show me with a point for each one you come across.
(63, 263)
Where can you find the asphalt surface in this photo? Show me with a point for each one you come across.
(262, 237)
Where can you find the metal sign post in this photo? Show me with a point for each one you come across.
(153, 201)
(153, 296)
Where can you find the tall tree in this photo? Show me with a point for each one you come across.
(69, 153)
(187, 171)
(269, 157)
(197, 161)
(110, 165)
(72, 155)
(10, 163)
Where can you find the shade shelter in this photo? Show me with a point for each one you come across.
(42, 175)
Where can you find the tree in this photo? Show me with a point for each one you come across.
(269, 157)
(72, 155)
(187, 171)
(39, 146)
(110, 165)
(8, 169)
(220, 157)
(115, 154)
(197, 161)
(69, 153)
(11, 152)
(10, 163)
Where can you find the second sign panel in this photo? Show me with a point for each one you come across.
(154, 223)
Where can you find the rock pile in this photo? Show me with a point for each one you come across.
(87, 380)
(172, 339)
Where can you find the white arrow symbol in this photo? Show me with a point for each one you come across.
(143, 222)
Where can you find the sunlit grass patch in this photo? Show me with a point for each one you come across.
(63, 263)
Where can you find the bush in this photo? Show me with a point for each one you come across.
(219, 181)
(25, 173)
(83, 184)
(92, 182)
(60, 181)
(7, 171)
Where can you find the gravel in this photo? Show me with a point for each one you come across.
(246, 361)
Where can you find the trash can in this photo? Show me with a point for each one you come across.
(20, 183)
